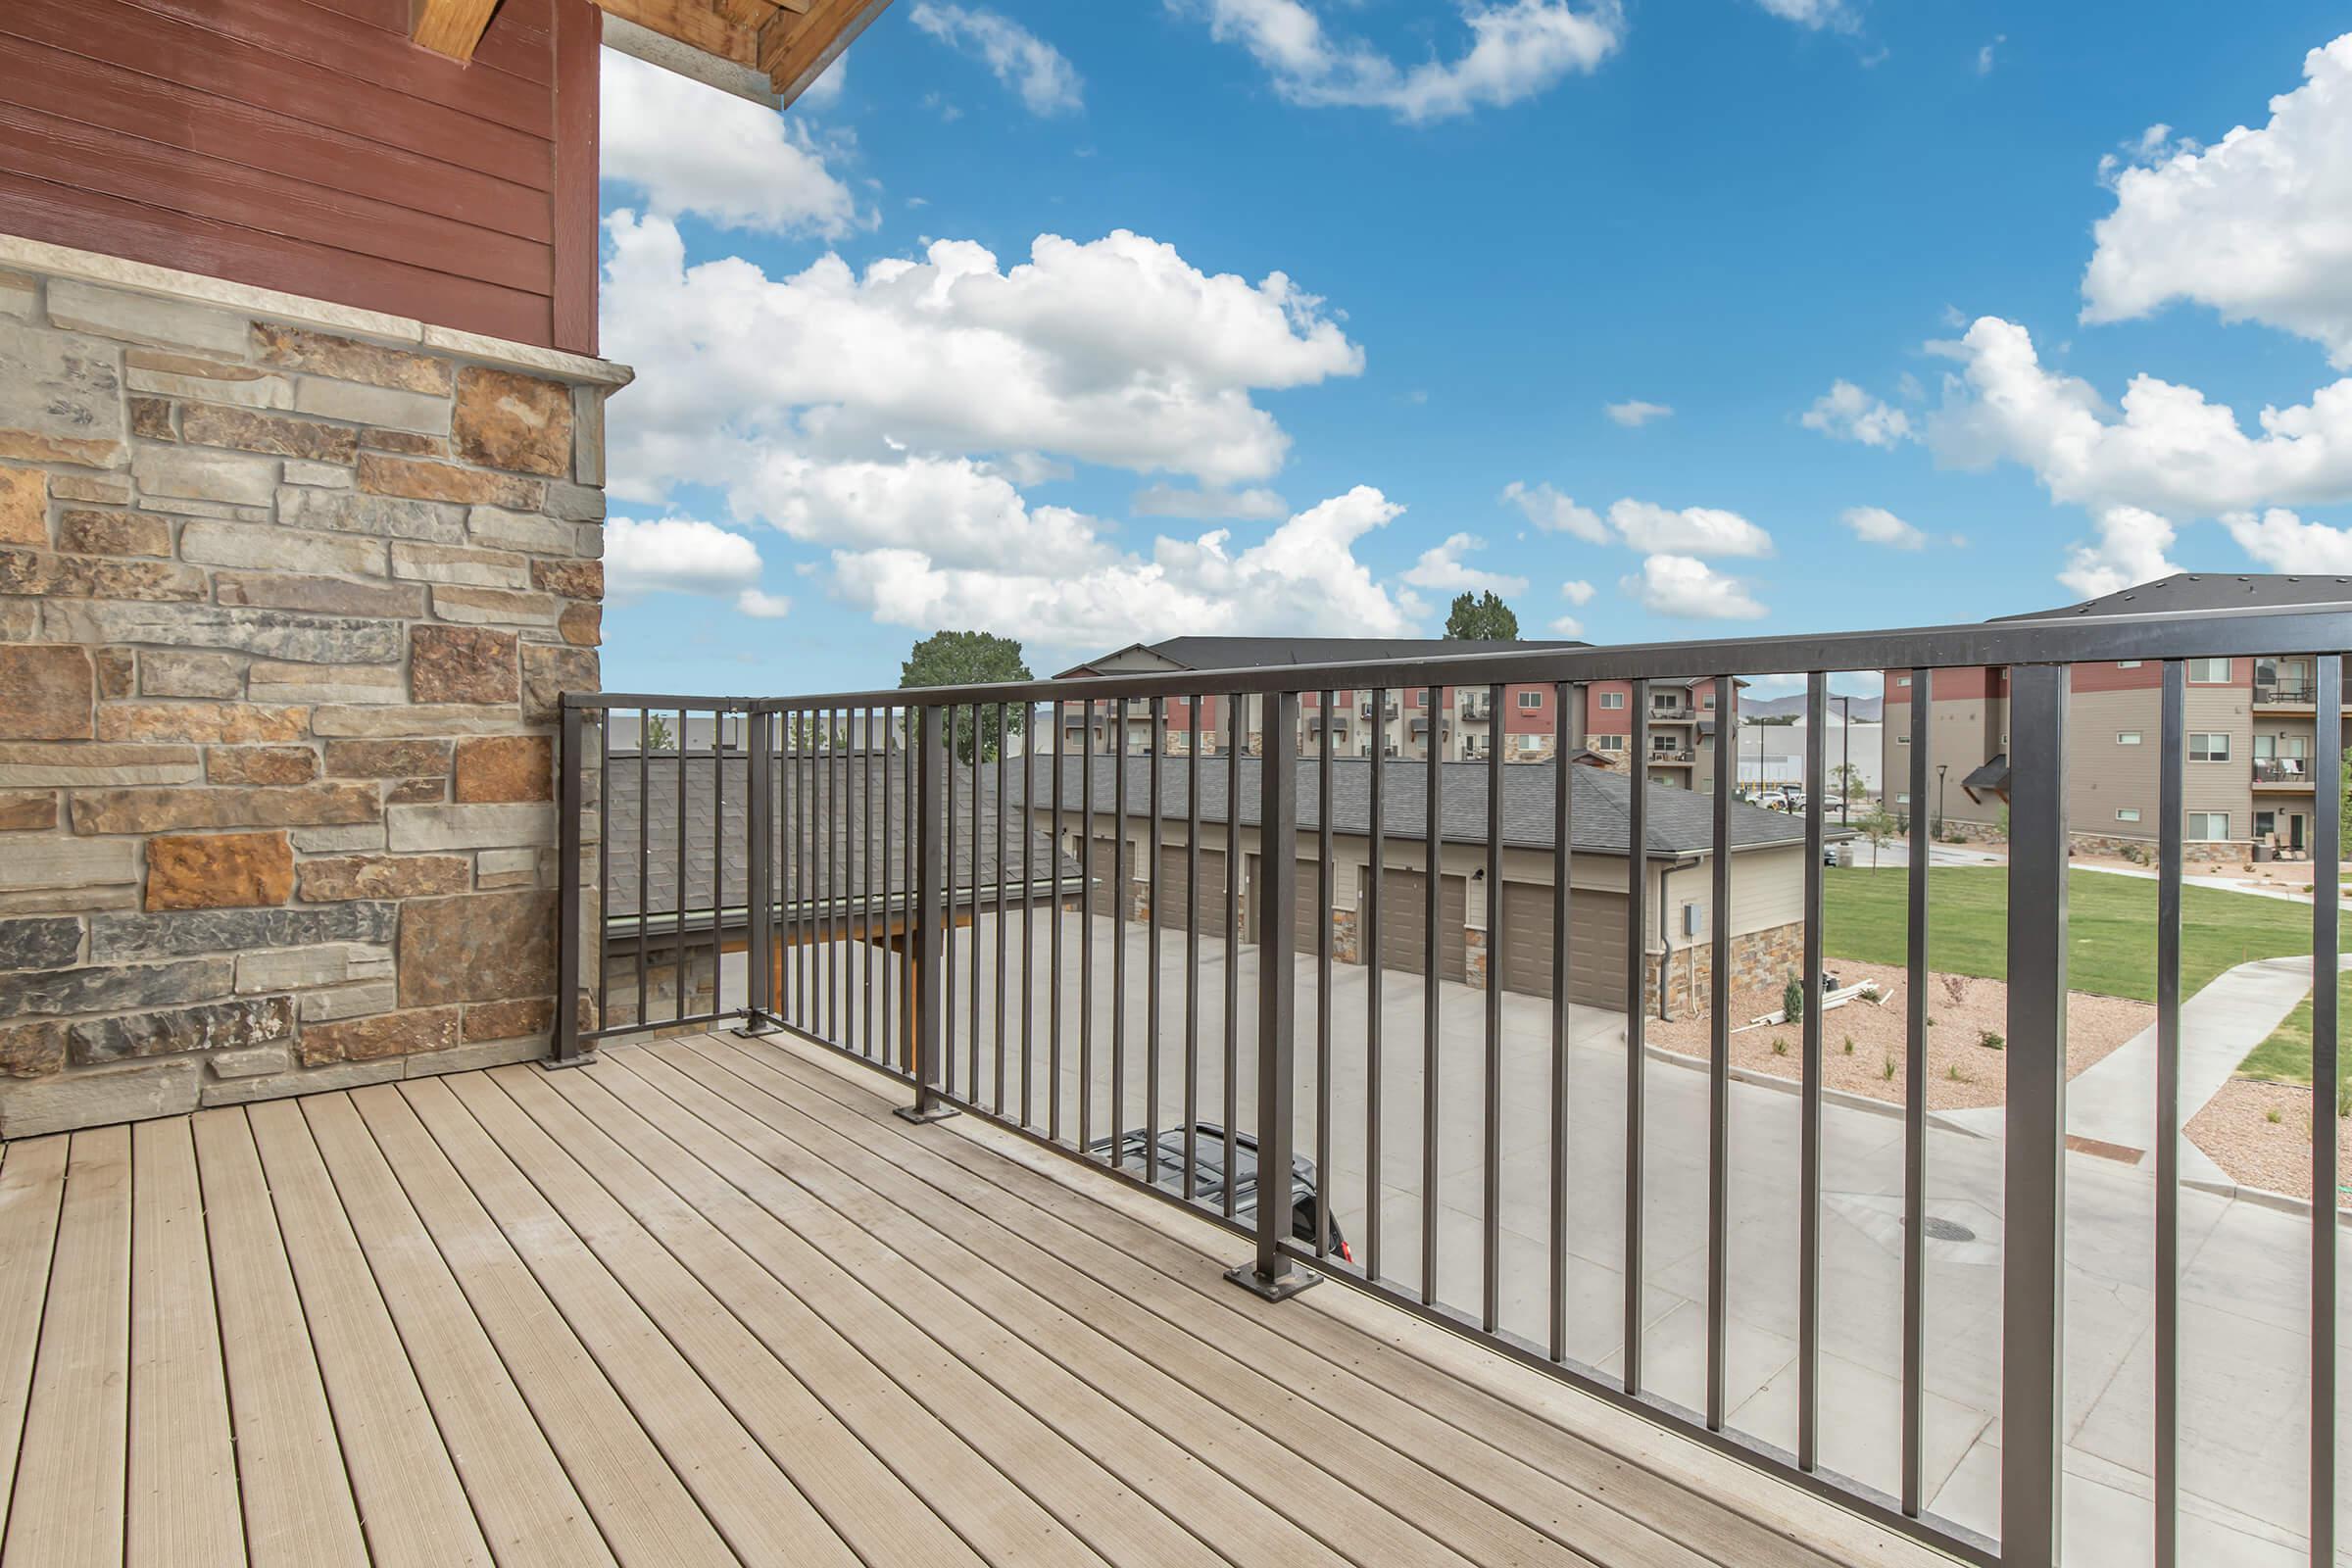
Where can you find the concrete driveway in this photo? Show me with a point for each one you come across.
(2245, 1267)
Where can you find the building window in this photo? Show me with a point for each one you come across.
(1902, 680)
(2208, 672)
(1530, 701)
(2207, 827)
(2128, 664)
(1902, 800)
(2127, 737)
(1418, 695)
(2209, 748)
(1612, 698)
(1531, 742)
(2126, 814)
(1608, 743)
(1706, 699)
(1902, 740)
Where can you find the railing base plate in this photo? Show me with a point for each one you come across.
(586, 1058)
(917, 1113)
(754, 1029)
(1281, 1289)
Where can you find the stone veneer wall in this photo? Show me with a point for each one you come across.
(288, 593)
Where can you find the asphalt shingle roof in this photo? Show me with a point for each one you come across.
(2198, 590)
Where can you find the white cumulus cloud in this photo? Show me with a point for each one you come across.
(685, 556)
(1876, 525)
(1043, 77)
(1555, 512)
(1819, 14)
(2129, 548)
(763, 606)
(1633, 413)
(1566, 626)
(1846, 413)
(2254, 227)
(744, 167)
(1576, 592)
(1256, 505)
(1517, 49)
(1443, 569)
(1690, 589)
(1690, 531)
(2283, 542)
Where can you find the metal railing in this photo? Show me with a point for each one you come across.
(952, 914)
(2290, 693)
(2292, 771)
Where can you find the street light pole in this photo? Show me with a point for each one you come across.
(1845, 768)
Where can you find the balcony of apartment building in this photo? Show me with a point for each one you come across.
(2291, 775)
(1477, 706)
(2284, 687)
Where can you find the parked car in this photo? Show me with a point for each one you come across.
(1208, 1176)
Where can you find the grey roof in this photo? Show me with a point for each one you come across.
(2190, 590)
(842, 810)
(1252, 653)
(1680, 822)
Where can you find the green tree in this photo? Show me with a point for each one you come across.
(969, 658)
(1878, 827)
(1849, 779)
(658, 736)
(1485, 617)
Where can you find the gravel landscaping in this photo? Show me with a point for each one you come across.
(1962, 1070)
(2238, 1131)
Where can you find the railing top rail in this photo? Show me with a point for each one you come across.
(2068, 640)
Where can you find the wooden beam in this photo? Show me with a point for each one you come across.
(450, 28)
(796, 49)
(692, 23)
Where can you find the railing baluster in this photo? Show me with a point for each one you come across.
(1915, 1103)
(1118, 943)
(1003, 745)
(1719, 1059)
(1233, 937)
(928, 813)
(1192, 951)
(677, 885)
(869, 840)
(1271, 1275)
(2171, 743)
(949, 817)
(719, 859)
(645, 858)
(1432, 968)
(758, 866)
(1367, 940)
(796, 870)
(2325, 920)
(1028, 914)
(1490, 1201)
(1563, 812)
(1086, 939)
(567, 897)
(2033, 1155)
(1636, 1004)
(1152, 924)
(1809, 1098)
(971, 1087)
(1325, 883)
(1054, 960)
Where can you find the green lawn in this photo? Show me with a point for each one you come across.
(2286, 1058)
(2110, 921)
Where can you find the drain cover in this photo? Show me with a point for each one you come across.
(1945, 1230)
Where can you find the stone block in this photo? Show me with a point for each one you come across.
(321, 596)
(220, 870)
(118, 670)
(588, 435)
(61, 398)
(201, 723)
(98, 1097)
(397, 758)
(261, 765)
(250, 1062)
(50, 942)
(144, 317)
(273, 681)
(415, 791)
(104, 489)
(116, 938)
(330, 964)
(293, 348)
(406, 443)
(347, 1001)
(388, 1034)
(381, 407)
(271, 547)
(20, 294)
(574, 503)
(23, 507)
(20, 621)
(31, 1049)
(277, 634)
(506, 868)
(28, 810)
(505, 420)
(481, 947)
(463, 665)
(85, 532)
(69, 765)
(115, 988)
(316, 476)
(278, 436)
(207, 475)
(549, 671)
(301, 1081)
(218, 511)
(468, 828)
(69, 901)
(163, 810)
(46, 692)
(573, 580)
(177, 672)
(511, 1020)
(383, 475)
(500, 528)
(196, 379)
(504, 768)
(70, 863)
(352, 839)
(450, 718)
(455, 564)
(384, 517)
(151, 419)
(33, 572)
(495, 607)
(212, 1026)
(582, 625)
(335, 879)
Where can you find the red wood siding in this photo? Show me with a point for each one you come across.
(307, 145)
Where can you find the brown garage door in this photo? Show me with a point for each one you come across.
(1308, 904)
(1596, 944)
(1102, 895)
(1404, 923)
(1174, 907)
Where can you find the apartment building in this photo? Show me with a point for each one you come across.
(2251, 727)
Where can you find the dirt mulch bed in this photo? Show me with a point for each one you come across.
(2237, 1130)
(1962, 1071)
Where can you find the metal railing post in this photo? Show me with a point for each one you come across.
(759, 882)
(932, 808)
(2033, 1205)
(1270, 1274)
(567, 1047)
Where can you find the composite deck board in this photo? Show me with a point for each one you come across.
(1604, 1503)
(181, 1504)
(707, 1302)
(68, 1506)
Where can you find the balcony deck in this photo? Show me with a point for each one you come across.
(706, 1301)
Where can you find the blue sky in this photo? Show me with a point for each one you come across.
(1844, 244)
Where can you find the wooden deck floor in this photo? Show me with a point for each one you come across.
(707, 1302)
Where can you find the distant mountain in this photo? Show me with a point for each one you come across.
(1864, 708)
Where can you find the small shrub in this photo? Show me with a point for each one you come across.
(2135, 855)
(1849, 1044)
(1792, 1001)
(1990, 1040)
(1887, 1069)
(1780, 1046)
(1956, 1075)
(2272, 1117)
(2343, 1101)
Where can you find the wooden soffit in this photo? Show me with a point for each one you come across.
(766, 49)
